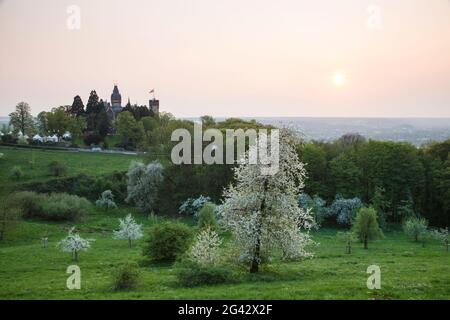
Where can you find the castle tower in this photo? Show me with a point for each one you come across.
(116, 100)
(153, 105)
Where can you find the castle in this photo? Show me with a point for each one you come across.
(114, 107)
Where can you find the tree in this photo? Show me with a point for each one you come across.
(262, 210)
(314, 158)
(205, 250)
(143, 184)
(208, 121)
(128, 230)
(414, 227)
(366, 226)
(348, 238)
(207, 217)
(131, 132)
(346, 175)
(316, 205)
(344, 209)
(22, 120)
(77, 108)
(74, 243)
(106, 200)
(42, 123)
(192, 207)
(57, 121)
(381, 205)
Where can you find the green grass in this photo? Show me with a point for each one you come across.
(28, 271)
(35, 162)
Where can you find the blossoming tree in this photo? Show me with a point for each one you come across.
(205, 251)
(143, 183)
(129, 230)
(262, 210)
(74, 243)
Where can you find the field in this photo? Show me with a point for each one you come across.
(28, 271)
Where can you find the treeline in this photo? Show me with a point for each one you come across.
(397, 178)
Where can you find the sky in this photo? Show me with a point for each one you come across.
(346, 58)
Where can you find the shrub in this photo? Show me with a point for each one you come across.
(57, 169)
(197, 275)
(62, 206)
(83, 185)
(126, 276)
(27, 202)
(344, 209)
(106, 200)
(207, 216)
(192, 207)
(16, 173)
(167, 241)
(442, 236)
(366, 226)
(205, 251)
(56, 207)
(415, 227)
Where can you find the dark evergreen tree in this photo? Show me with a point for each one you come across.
(77, 108)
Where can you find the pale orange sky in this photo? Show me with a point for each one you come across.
(231, 58)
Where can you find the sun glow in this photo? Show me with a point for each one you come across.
(339, 79)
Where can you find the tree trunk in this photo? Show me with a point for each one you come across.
(129, 243)
(365, 242)
(75, 255)
(254, 268)
(256, 258)
(1, 235)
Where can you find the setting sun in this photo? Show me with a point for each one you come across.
(339, 79)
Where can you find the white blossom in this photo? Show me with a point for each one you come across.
(74, 243)
(143, 183)
(262, 211)
(442, 236)
(106, 200)
(205, 251)
(129, 230)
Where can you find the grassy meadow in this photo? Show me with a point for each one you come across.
(29, 271)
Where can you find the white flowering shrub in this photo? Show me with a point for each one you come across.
(74, 243)
(192, 206)
(205, 251)
(106, 200)
(262, 211)
(128, 230)
(316, 205)
(344, 209)
(442, 236)
(143, 184)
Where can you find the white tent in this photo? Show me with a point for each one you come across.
(53, 138)
(38, 138)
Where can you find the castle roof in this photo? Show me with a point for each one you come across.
(116, 94)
